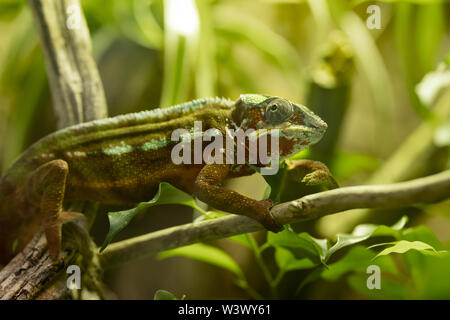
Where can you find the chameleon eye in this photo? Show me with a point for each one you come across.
(279, 111)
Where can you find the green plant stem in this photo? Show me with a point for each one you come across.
(278, 277)
(260, 261)
(250, 291)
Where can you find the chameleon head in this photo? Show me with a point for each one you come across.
(298, 127)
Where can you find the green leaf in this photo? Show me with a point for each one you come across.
(286, 261)
(205, 253)
(400, 224)
(301, 245)
(164, 295)
(317, 250)
(421, 233)
(363, 232)
(403, 246)
(167, 194)
(357, 260)
(355, 263)
(430, 275)
(390, 288)
(423, 2)
(311, 277)
(274, 181)
(241, 239)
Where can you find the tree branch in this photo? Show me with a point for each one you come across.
(33, 274)
(424, 190)
(76, 86)
(78, 96)
(407, 162)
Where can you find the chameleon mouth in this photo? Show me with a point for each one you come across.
(311, 134)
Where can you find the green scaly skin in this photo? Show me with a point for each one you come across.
(122, 160)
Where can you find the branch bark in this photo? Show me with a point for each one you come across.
(76, 86)
(424, 190)
(78, 96)
(33, 274)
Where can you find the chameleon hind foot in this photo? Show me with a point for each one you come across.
(47, 183)
(53, 229)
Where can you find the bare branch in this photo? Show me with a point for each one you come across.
(78, 96)
(407, 162)
(424, 190)
(33, 274)
(76, 86)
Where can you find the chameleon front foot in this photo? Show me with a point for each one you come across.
(265, 217)
(311, 173)
(207, 188)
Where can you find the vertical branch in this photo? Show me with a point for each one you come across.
(78, 96)
(76, 86)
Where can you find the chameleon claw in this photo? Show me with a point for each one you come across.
(267, 219)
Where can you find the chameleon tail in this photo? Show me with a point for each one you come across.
(14, 237)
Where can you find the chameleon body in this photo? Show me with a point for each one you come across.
(122, 160)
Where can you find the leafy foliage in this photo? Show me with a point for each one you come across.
(167, 194)
(205, 253)
(165, 295)
(294, 252)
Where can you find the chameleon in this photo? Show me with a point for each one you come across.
(122, 160)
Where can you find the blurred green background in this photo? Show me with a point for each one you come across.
(384, 93)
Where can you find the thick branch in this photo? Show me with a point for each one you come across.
(76, 86)
(424, 190)
(33, 274)
(78, 96)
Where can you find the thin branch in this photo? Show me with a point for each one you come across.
(408, 161)
(424, 190)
